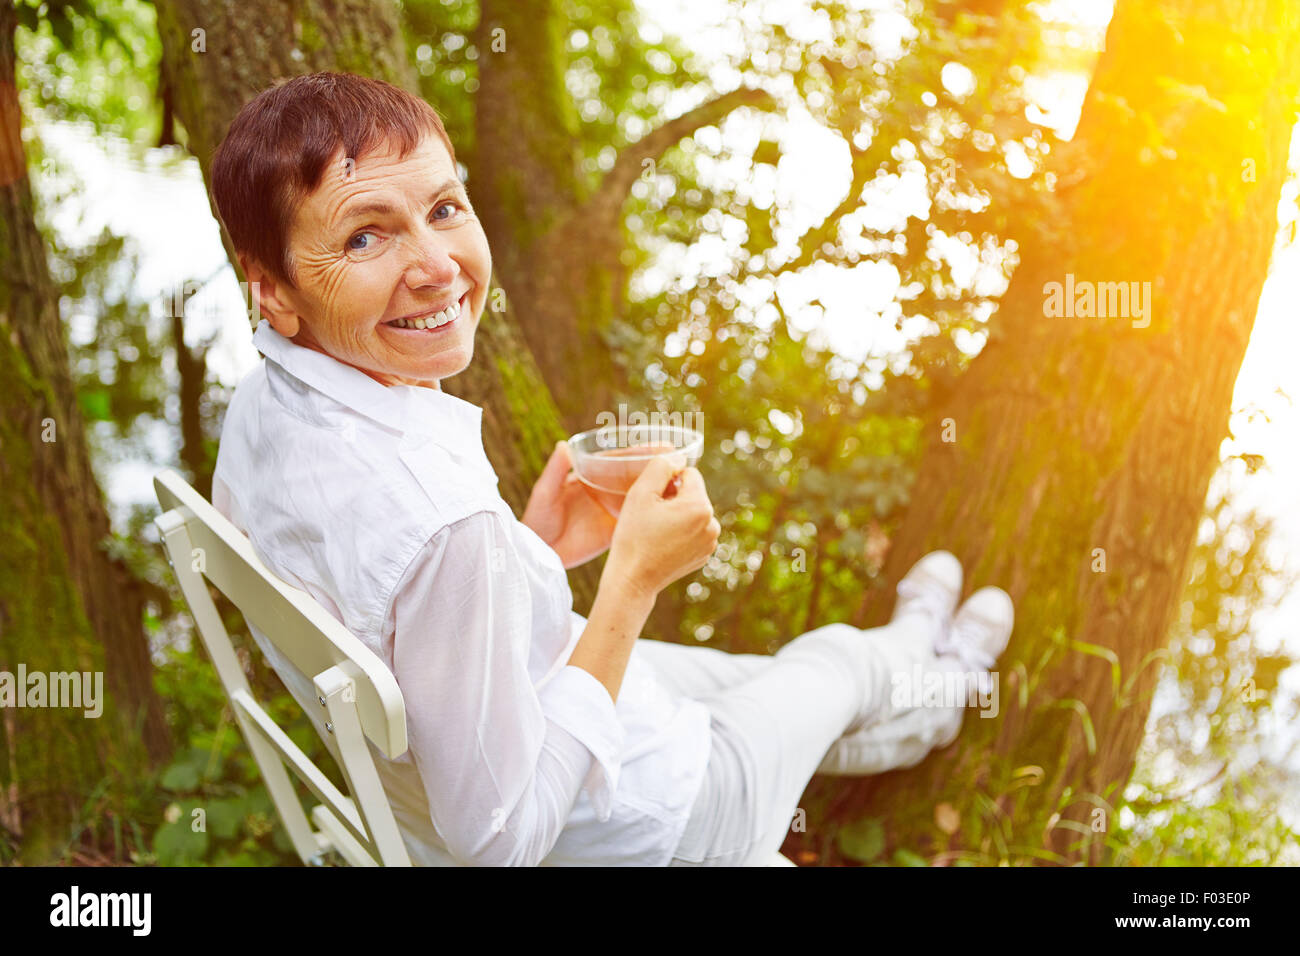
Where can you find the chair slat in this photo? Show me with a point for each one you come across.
(298, 626)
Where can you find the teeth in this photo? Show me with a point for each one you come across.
(430, 322)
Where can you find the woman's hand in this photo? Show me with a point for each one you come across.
(666, 529)
(562, 512)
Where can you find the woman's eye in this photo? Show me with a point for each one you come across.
(449, 202)
(355, 245)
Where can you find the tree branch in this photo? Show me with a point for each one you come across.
(617, 183)
(811, 242)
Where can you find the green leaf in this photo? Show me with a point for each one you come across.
(1080, 708)
(259, 801)
(176, 844)
(27, 17)
(96, 405)
(224, 818)
(182, 776)
(1105, 653)
(908, 858)
(186, 772)
(280, 839)
(862, 840)
(234, 859)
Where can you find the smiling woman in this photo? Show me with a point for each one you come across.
(341, 195)
(536, 735)
(359, 480)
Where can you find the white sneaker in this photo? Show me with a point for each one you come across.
(980, 631)
(979, 634)
(922, 614)
(932, 588)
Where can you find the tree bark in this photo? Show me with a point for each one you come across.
(1089, 443)
(192, 367)
(65, 603)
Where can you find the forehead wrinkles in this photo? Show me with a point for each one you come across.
(388, 178)
(356, 191)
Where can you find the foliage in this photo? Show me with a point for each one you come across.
(1210, 778)
(121, 341)
(93, 61)
(620, 71)
(215, 773)
(439, 38)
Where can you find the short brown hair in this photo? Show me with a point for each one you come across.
(274, 153)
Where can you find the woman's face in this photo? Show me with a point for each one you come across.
(381, 239)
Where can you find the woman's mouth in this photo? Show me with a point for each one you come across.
(438, 322)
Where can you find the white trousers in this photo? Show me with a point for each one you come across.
(774, 717)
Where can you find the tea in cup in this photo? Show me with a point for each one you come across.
(609, 460)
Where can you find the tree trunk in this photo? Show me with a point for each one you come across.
(520, 421)
(1084, 446)
(192, 367)
(65, 603)
(525, 177)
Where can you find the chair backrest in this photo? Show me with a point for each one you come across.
(357, 693)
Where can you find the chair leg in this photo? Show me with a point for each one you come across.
(340, 839)
(280, 787)
(358, 766)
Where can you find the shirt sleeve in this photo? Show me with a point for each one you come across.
(501, 763)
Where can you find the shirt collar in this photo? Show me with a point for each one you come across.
(449, 421)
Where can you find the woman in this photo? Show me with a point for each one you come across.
(536, 735)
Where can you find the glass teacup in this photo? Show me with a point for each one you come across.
(608, 460)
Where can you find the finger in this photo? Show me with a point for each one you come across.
(658, 472)
(557, 466)
(692, 484)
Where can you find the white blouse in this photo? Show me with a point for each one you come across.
(380, 502)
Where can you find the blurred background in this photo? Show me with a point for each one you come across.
(826, 227)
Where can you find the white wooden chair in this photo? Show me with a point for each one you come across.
(358, 694)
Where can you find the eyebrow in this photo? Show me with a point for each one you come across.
(377, 207)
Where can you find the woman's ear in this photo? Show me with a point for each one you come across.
(271, 298)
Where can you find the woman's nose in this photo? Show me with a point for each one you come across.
(429, 260)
